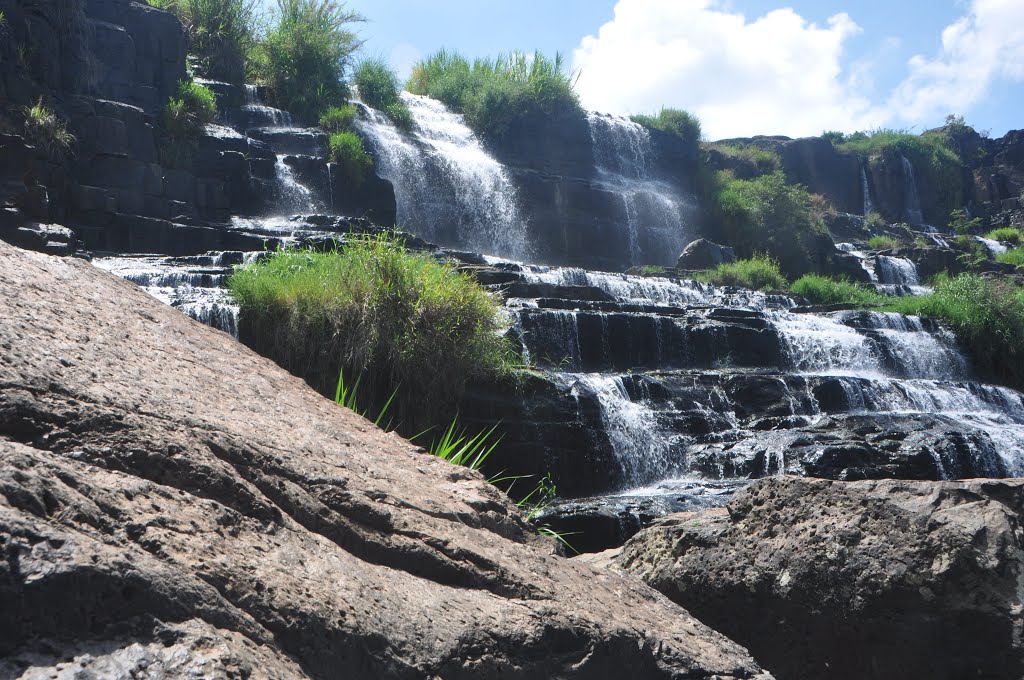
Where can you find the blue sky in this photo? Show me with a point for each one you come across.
(746, 66)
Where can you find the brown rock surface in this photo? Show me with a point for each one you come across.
(172, 504)
(873, 579)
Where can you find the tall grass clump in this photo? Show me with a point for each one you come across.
(759, 272)
(882, 242)
(987, 316)
(1006, 235)
(681, 123)
(388, 317)
(380, 88)
(305, 53)
(496, 94)
(1014, 256)
(221, 34)
(822, 290)
(346, 150)
(767, 215)
(182, 121)
(338, 118)
(46, 130)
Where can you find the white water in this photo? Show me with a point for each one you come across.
(293, 197)
(911, 200)
(655, 212)
(994, 247)
(448, 189)
(869, 205)
(640, 446)
(866, 264)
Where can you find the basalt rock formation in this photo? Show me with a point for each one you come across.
(171, 503)
(880, 579)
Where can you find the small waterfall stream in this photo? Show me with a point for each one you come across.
(869, 205)
(911, 200)
(655, 213)
(449, 190)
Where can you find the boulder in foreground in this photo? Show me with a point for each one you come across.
(172, 505)
(872, 579)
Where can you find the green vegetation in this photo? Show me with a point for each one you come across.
(391, 317)
(380, 88)
(822, 290)
(881, 242)
(764, 161)
(496, 94)
(346, 150)
(182, 121)
(961, 224)
(221, 34)
(1014, 256)
(767, 215)
(305, 53)
(759, 272)
(987, 317)
(874, 220)
(458, 448)
(338, 118)
(652, 270)
(934, 161)
(46, 130)
(1006, 235)
(683, 124)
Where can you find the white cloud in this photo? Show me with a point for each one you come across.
(777, 74)
(978, 50)
(781, 74)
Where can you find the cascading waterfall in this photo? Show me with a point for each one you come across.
(867, 265)
(869, 205)
(911, 200)
(655, 213)
(292, 196)
(448, 189)
(993, 247)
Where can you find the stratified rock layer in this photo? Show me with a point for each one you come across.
(872, 579)
(174, 504)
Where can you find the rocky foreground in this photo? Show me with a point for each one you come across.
(852, 580)
(172, 504)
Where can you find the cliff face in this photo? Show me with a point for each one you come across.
(171, 501)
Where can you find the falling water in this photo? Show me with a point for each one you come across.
(654, 211)
(448, 189)
(865, 264)
(869, 206)
(911, 200)
(292, 196)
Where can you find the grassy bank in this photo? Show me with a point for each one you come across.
(987, 316)
(389, 318)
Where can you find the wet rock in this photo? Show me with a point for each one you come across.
(169, 497)
(881, 579)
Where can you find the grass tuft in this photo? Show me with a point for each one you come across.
(221, 34)
(759, 272)
(45, 129)
(882, 242)
(822, 290)
(347, 151)
(1006, 235)
(1014, 256)
(389, 316)
(380, 88)
(496, 94)
(681, 123)
(338, 118)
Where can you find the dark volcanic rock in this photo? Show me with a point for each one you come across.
(171, 503)
(704, 254)
(879, 580)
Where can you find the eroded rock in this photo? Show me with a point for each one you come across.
(161, 485)
(880, 579)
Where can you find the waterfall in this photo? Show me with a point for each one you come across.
(869, 206)
(292, 196)
(653, 210)
(640, 446)
(448, 189)
(911, 200)
(865, 264)
(993, 247)
(896, 271)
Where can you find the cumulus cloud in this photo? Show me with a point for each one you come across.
(984, 46)
(780, 73)
(776, 74)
